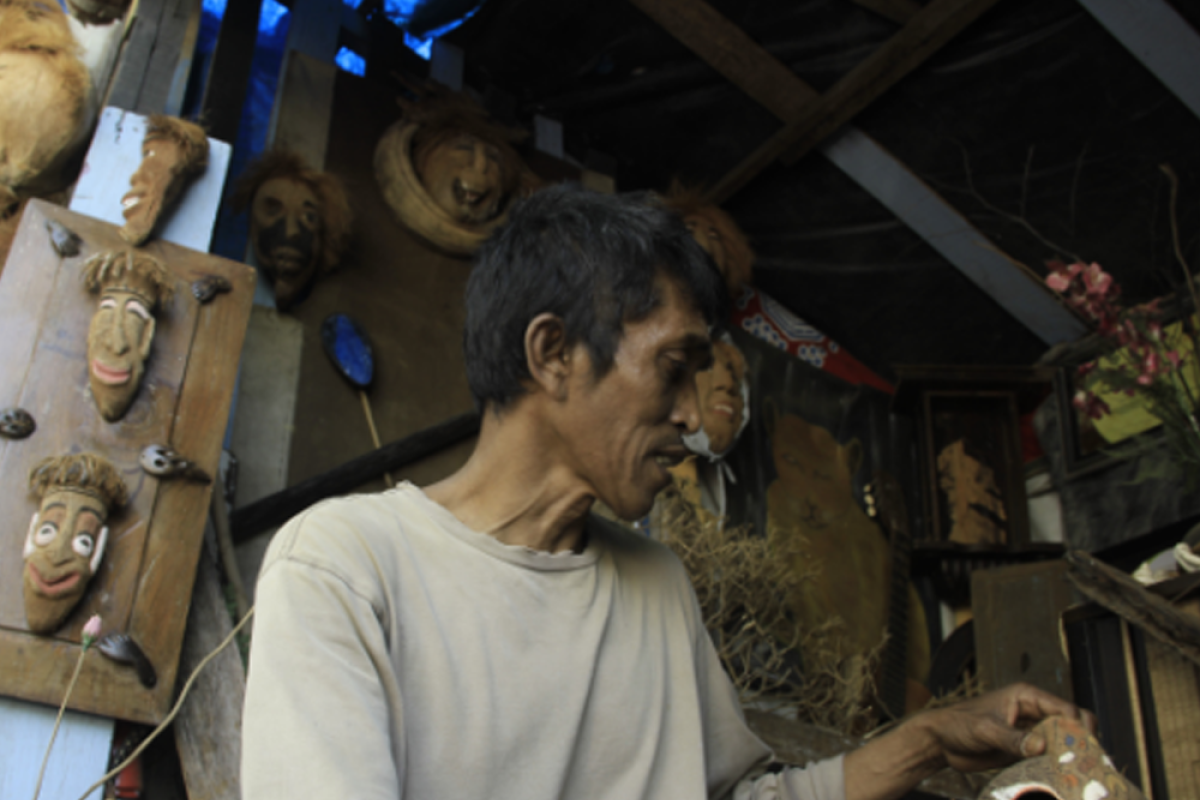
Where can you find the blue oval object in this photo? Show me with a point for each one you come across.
(348, 348)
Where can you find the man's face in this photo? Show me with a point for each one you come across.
(119, 340)
(463, 176)
(721, 403)
(625, 429)
(63, 548)
(285, 226)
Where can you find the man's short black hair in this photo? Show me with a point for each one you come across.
(591, 259)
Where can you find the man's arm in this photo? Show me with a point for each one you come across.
(317, 719)
(982, 733)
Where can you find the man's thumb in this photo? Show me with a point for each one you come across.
(1031, 744)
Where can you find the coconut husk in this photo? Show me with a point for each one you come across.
(47, 104)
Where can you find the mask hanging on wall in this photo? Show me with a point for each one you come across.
(717, 233)
(173, 152)
(47, 106)
(448, 171)
(68, 534)
(132, 286)
(300, 222)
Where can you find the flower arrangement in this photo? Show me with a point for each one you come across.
(1158, 363)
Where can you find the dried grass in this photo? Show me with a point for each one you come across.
(743, 583)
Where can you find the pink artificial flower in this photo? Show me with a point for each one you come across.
(1058, 281)
(1174, 357)
(1085, 369)
(91, 630)
(1096, 280)
(1145, 379)
(1151, 364)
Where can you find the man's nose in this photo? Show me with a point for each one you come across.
(60, 551)
(687, 409)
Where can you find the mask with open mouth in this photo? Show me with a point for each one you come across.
(68, 534)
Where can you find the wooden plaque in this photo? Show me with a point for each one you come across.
(144, 584)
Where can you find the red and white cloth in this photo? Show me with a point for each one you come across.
(766, 319)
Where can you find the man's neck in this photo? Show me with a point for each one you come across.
(514, 489)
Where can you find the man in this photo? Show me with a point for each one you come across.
(487, 638)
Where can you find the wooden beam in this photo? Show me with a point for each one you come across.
(278, 508)
(865, 161)
(229, 70)
(953, 236)
(935, 25)
(899, 11)
(1157, 36)
(728, 50)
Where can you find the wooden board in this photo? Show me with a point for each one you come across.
(144, 584)
(1017, 611)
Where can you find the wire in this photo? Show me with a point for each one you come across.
(174, 710)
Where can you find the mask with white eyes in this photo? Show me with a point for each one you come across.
(63, 550)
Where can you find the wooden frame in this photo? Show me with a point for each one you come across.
(967, 397)
(144, 585)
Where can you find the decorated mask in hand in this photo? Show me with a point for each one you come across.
(173, 151)
(300, 222)
(68, 534)
(131, 286)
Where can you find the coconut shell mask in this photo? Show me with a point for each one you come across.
(68, 534)
(131, 287)
(173, 151)
(300, 223)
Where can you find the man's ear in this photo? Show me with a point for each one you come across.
(547, 355)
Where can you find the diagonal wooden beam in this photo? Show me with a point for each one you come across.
(899, 11)
(1159, 37)
(931, 28)
(728, 50)
(876, 170)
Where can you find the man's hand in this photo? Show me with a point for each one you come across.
(982, 733)
(993, 730)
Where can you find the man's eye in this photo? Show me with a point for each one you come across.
(83, 544)
(46, 533)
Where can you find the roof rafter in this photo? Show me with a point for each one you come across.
(751, 68)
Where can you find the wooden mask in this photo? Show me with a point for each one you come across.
(173, 151)
(286, 229)
(300, 222)
(68, 534)
(723, 396)
(131, 287)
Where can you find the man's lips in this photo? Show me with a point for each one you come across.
(109, 375)
(54, 587)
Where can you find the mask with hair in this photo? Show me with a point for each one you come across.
(68, 534)
(131, 286)
(724, 395)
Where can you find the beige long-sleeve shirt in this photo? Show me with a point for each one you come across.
(399, 654)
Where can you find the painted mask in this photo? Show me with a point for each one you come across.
(722, 404)
(464, 177)
(286, 228)
(173, 150)
(122, 329)
(68, 534)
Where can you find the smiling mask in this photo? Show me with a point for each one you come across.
(68, 534)
(131, 286)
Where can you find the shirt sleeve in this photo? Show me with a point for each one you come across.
(820, 780)
(321, 705)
